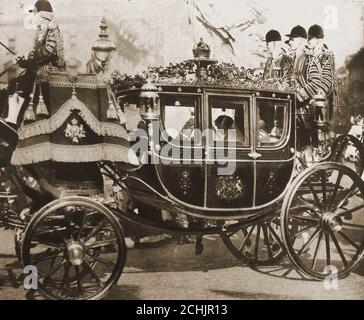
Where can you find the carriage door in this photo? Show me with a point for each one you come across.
(181, 166)
(228, 146)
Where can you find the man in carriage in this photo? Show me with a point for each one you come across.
(279, 63)
(326, 59)
(306, 74)
(48, 53)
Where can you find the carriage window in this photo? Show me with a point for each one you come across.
(272, 122)
(230, 119)
(179, 116)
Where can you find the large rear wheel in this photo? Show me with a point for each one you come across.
(322, 221)
(78, 248)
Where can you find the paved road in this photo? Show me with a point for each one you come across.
(172, 271)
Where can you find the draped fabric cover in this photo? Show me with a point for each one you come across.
(77, 128)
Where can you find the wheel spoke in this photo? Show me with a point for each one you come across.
(306, 203)
(257, 242)
(49, 244)
(103, 243)
(78, 279)
(327, 241)
(305, 219)
(92, 273)
(104, 261)
(323, 180)
(351, 191)
(316, 251)
(53, 256)
(65, 278)
(276, 236)
(340, 214)
(95, 230)
(315, 196)
(54, 270)
(82, 227)
(338, 248)
(349, 240)
(302, 231)
(247, 237)
(353, 226)
(336, 187)
(309, 241)
(266, 237)
(68, 225)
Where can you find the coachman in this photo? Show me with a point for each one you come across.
(47, 54)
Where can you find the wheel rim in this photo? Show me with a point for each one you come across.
(78, 249)
(348, 151)
(257, 244)
(321, 221)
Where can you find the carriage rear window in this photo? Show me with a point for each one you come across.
(272, 122)
(230, 119)
(179, 116)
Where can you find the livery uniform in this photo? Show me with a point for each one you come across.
(279, 68)
(329, 85)
(307, 73)
(48, 53)
(49, 50)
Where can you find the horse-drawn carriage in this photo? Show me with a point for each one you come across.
(214, 143)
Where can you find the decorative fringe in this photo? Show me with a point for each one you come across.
(41, 107)
(29, 114)
(70, 154)
(111, 113)
(50, 125)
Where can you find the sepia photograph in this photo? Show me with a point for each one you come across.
(181, 150)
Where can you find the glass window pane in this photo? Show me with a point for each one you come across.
(272, 122)
(230, 119)
(179, 117)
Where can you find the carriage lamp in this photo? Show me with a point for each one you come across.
(149, 102)
(320, 119)
(103, 46)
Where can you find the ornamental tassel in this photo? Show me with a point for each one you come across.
(111, 112)
(29, 114)
(41, 107)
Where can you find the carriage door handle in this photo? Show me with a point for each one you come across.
(254, 155)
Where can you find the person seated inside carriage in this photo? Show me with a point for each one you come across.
(224, 127)
(48, 54)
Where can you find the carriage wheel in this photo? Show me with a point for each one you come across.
(349, 151)
(322, 221)
(257, 244)
(78, 247)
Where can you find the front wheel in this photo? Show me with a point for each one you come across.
(322, 221)
(258, 244)
(78, 248)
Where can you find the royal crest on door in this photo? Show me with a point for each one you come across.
(229, 188)
(75, 131)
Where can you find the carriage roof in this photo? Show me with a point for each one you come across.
(196, 75)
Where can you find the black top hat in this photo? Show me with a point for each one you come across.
(273, 35)
(43, 5)
(315, 31)
(297, 32)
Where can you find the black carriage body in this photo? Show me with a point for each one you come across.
(185, 174)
